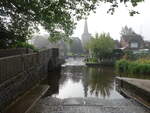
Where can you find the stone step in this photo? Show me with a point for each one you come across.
(24, 103)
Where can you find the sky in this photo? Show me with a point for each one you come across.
(101, 21)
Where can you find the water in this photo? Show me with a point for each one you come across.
(78, 80)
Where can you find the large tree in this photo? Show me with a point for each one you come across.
(101, 46)
(127, 31)
(20, 17)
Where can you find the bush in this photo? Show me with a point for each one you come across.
(91, 60)
(25, 45)
(141, 66)
(122, 65)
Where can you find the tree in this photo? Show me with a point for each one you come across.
(21, 17)
(101, 46)
(129, 35)
(76, 46)
(127, 31)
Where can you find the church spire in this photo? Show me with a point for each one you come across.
(86, 35)
(86, 27)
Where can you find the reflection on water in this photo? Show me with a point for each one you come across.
(74, 62)
(77, 80)
(99, 81)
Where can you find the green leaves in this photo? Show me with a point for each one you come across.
(101, 46)
(21, 16)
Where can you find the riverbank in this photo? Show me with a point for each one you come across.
(139, 89)
(102, 63)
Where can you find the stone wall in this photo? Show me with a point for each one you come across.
(14, 51)
(21, 72)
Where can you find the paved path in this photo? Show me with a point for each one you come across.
(140, 83)
(87, 105)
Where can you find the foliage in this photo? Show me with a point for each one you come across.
(141, 66)
(122, 65)
(130, 55)
(24, 45)
(118, 53)
(75, 46)
(101, 46)
(8, 38)
(127, 31)
(91, 60)
(142, 56)
(20, 18)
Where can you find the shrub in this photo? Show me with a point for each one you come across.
(141, 66)
(91, 60)
(25, 45)
(122, 65)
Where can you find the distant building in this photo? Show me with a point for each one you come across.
(147, 44)
(86, 35)
(132, 41)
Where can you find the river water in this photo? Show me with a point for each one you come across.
(77, 80)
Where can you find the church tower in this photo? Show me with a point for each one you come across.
(86, 35)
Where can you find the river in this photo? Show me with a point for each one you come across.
(77, 88)
(78, 80)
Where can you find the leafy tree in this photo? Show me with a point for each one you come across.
(127, 31)
(76, 46)
(101, 46)
(20, 18)
(129, 35)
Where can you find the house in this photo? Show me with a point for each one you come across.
(147, 44)
(132, 41)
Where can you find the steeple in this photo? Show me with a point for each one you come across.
(86, 35)
(86, 27)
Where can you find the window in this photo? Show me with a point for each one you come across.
(134, 45)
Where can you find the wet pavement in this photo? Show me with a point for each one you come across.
(87, 105)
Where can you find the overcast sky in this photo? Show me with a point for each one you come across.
(102, 22)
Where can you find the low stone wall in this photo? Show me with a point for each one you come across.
(129, 89)
(21, 72)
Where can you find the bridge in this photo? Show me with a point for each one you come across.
(20, 73)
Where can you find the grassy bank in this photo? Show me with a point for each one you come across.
(141, 66)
